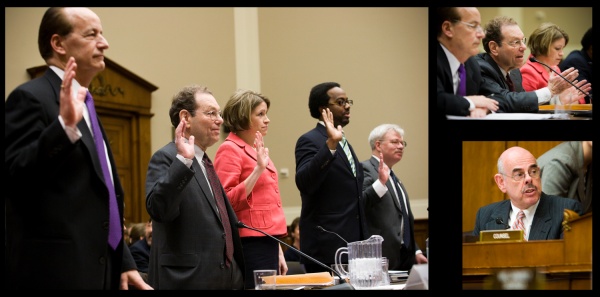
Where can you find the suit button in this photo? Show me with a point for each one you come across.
(222, 265)
(102, 260)
(223, 235)
(105, 225)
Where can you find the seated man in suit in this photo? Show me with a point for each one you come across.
(459, 33)
(504, 45)
(539, 215)
(140, 250)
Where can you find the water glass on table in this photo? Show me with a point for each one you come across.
(265, 279)
(385, 278)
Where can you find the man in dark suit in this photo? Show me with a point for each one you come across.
(582, 61)
(190, 248)
(140, 251)
(519, 177)
(387, 200)
(329, 177)
(458, 34)
(504, 45)
(57, 197)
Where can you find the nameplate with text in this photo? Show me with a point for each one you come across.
(500, 235)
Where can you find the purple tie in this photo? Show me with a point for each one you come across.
(462, 84)
(114, 228)
(218, 194)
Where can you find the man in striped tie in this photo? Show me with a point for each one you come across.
(329, 177)
(519, 177)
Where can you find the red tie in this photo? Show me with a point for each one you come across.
(215, 184)
(510, 84)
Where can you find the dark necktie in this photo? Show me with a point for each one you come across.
(462, 83)
(215, 184)
(406, 229)
(114, 228)
(510, 84)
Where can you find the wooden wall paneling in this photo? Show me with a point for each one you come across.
(421, 233)
(479, 188)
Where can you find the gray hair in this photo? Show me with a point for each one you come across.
(379, 131)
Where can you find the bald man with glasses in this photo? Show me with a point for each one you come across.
(519, 177)
(504, 44)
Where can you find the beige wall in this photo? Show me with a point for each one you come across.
(378, 55)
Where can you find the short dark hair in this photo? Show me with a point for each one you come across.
(445, 14)
(185, 99)
(318, 97)
(493, 31)
(53, 22)
(587, 39)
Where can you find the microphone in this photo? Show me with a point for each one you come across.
(500, 222)
(533, 59)
(343, 284)
(323, 229)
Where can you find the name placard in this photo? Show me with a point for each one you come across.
(500, 235)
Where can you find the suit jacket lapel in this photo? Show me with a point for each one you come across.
(500, 212)
(203, 183)
(542, 221)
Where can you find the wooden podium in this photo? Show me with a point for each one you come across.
(564, 264)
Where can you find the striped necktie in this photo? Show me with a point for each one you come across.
(519, 224)
(348, 153)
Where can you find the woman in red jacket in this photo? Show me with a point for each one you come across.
(546, 44)
(250, 180)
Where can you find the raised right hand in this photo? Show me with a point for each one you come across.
(185, 147)
(71, 109)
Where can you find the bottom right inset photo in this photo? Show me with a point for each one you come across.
(527, 215)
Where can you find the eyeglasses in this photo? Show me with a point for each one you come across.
(213, 115)
(396, 142)
(342, 102)
(518, 43)
(477, 28)
(534, 172)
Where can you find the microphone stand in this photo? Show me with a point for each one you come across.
(343, 284)
(533, 59)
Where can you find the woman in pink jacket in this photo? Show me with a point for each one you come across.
(250, 180)
(546, 44)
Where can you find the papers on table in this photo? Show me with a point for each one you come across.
(509, 116)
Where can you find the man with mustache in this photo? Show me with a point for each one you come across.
(519, 176)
